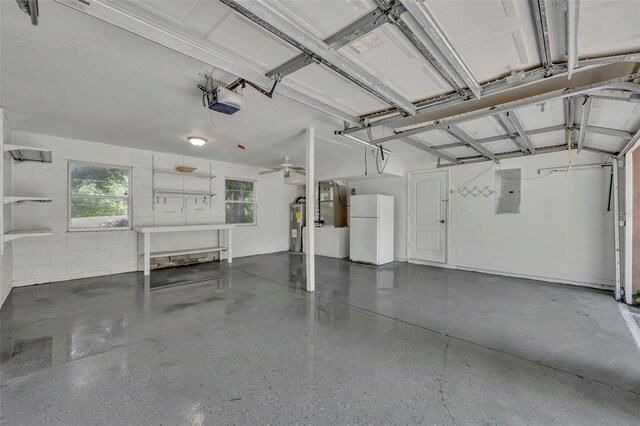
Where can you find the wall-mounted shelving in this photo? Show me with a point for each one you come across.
(22, 233)
(194, 188)
(29, 153)
(184, 174)
(21, 199)
(157, 192)
(22, 153)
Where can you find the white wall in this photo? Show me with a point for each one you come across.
(69, 255)
(563, 232)
(6, 260)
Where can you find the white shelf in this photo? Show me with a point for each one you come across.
(178, 192)
(29, 153)
(175, 172)
(22, 233)
(186, 251)
(20, 199)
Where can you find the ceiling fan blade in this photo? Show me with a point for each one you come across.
(266, 172)
(298, 168)
(299, 172)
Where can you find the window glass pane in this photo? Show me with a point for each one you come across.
(239, 190)
(240, 212)
(99, 213)
(239, 195)
(96, 180)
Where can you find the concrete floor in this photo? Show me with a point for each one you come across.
(399, 344)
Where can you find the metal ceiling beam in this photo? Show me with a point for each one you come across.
(350, 33)
(584, 119)
(522, 134)
(424, 51)
(428, 23)
(461, 135)
(542, 31)
(500, 86)
(573, 23)
(634, 140)
(544, 150)
(124, 15)
(610, 132)
(633, 98)
(363, 143)
(417, 143)
(620, 84)
(601, 130)
(523, 85)
(413, 38)
(263, 14)
(504, 137)
(511, 132)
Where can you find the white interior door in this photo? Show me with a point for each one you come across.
(427, 216)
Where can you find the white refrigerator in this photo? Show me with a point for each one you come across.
(371, 223)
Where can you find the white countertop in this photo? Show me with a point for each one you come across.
(182, 228)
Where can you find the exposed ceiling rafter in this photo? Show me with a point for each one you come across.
(541, 24)
(615, 72)
(593, 129)
(511, 132)
(421, 124)
(369, 22)
(584, 119)
(413, 38)
(264, 15)
(634, 140)
(502, 86)
(417, 143)
(573, 23)
(507, 155)
(521, 133)
(461, 135)
(430, 26)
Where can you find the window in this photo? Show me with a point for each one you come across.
(99, 197)
(240, 201)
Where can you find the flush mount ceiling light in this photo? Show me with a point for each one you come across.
(196, 141)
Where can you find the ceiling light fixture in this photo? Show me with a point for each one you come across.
(196, 141)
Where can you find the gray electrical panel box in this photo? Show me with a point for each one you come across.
(508, 192)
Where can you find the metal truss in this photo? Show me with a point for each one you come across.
(264, 15)
(505, 112)
(437, 36)
(500, 86)
(350, 33)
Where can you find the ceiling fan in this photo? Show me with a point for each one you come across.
(287, 168)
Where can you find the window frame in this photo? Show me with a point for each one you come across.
(70, 196)
(254, 202)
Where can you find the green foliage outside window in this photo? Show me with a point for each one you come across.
(99, 196)
(240, 201)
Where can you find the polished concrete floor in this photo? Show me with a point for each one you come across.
(399, 344)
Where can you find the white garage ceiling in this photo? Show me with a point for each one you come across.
(157, 105)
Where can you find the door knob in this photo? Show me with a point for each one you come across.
(442, 221)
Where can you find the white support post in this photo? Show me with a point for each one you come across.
(228, 242)
(147, 253)
(616, 228)
(2, 166)
(628, 222)
(310, 213)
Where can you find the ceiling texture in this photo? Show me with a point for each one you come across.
(466, 81)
